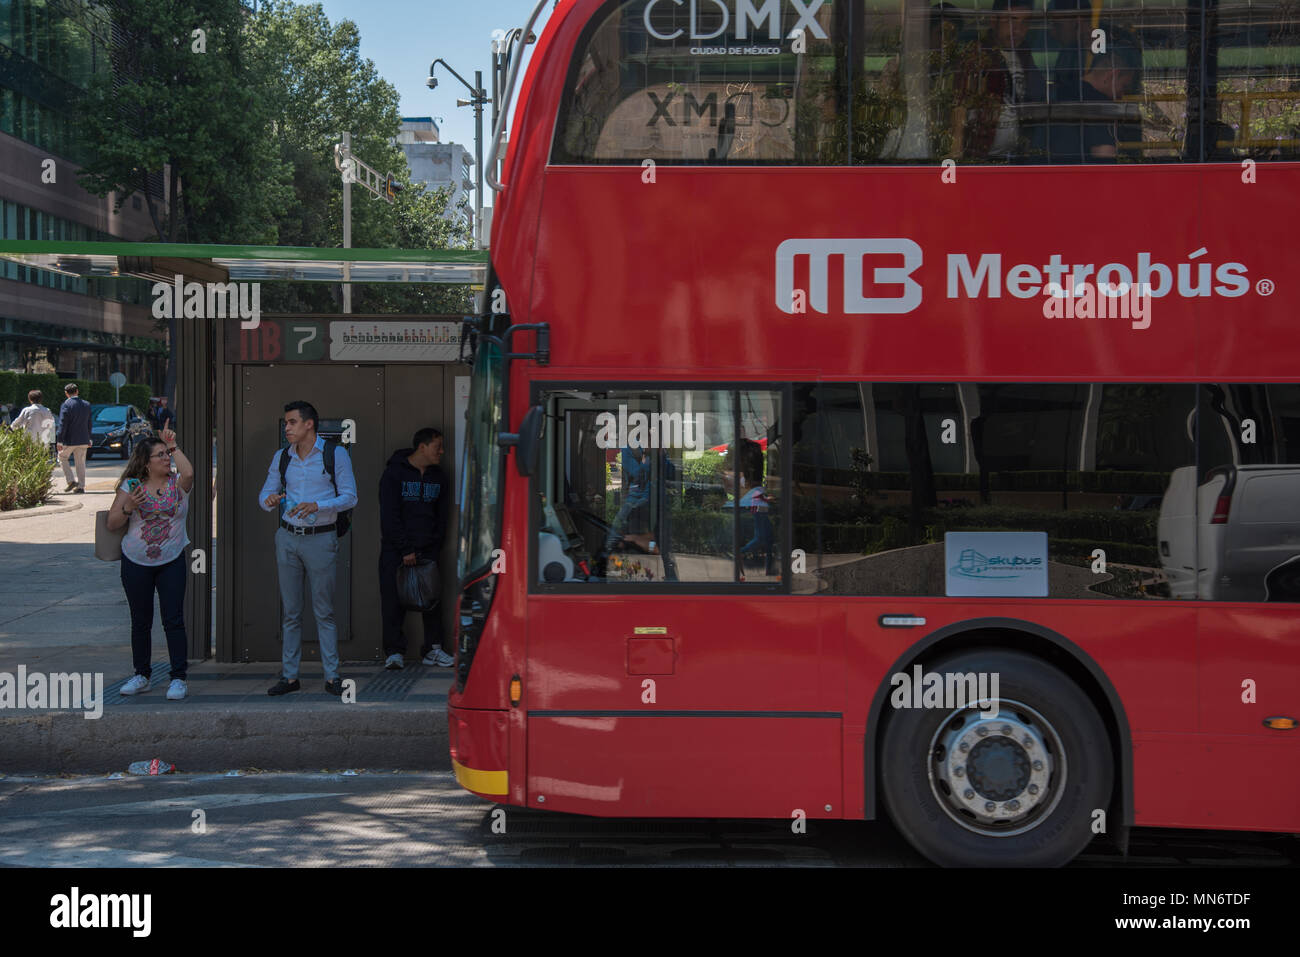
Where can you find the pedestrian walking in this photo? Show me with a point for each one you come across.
(163, 417)
(74, 437)
(152, 502)
(312, 484)
(37, 420)
(413, 500)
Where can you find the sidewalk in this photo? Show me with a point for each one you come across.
(62, 610)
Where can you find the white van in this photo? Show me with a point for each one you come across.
(1245, 526)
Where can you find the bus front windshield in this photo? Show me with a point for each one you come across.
(481, 472)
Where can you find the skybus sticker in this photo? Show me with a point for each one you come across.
(995, 564)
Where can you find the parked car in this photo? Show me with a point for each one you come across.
(1243, 523)
(116, 429)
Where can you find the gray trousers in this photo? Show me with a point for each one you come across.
(313, 557)
(77, 453)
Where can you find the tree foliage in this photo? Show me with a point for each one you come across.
(192, 120)
(320, 86)
(241, 138)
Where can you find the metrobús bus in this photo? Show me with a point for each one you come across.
(1002, 538)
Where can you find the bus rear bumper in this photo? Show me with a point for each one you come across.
(480, 751)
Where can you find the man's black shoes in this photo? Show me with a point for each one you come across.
(334, 687)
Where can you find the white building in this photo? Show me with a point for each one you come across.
(439, 165)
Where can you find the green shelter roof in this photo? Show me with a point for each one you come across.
(252, 263)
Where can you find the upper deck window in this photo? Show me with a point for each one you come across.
(873, 82)
(718, 81)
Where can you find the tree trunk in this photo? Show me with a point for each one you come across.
(171, 205)
(153, 212)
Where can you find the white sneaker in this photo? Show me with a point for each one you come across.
(135, 685)
(394, 663)
(176, 690)
(438, 659)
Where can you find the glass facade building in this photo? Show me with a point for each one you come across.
(50, 51)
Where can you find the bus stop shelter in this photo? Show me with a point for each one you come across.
(375, 380)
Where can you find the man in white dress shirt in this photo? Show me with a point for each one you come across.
(307, 542)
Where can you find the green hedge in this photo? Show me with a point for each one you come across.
(136, 395)
(703, 468)
(14, 387)
(702, 532)
(891, 534)
(1127, 537)
(1096, 524)
(1125, 553)
(1048, 480)
(51, 387)
(9, 389)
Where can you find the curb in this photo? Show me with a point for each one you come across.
(39, 511)
(218, 739)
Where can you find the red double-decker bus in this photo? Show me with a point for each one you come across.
(897, 413)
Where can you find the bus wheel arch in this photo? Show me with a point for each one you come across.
(1036, 641)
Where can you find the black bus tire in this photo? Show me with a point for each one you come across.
(920, 760)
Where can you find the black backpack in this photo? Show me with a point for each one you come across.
(344, 519)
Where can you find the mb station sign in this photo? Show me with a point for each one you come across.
(351, 339)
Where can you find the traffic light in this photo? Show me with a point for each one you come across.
(392, 187)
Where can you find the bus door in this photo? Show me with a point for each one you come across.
(670, 672)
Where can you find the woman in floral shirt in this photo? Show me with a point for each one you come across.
(154, 501)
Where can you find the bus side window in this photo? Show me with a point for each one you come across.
(661, 487)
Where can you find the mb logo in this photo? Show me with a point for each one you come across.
(854, 252)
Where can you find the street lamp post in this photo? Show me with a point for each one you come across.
(478, 97)
(347, 231)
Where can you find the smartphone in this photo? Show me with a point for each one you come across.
(130, 484)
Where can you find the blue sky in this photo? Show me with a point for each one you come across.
(403, 37)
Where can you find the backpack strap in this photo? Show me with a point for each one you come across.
(330, 449)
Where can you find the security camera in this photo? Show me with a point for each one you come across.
(432, 82)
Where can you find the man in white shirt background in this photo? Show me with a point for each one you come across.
(36, 419)
(307, 542)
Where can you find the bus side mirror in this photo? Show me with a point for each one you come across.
(527, 442)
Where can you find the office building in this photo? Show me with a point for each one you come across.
(52, 321)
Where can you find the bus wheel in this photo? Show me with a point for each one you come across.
(969, 786)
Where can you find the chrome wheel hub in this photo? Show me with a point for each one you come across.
(997, 776)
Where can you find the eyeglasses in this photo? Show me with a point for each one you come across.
(161, 455)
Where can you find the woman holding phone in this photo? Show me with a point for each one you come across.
(152, 503)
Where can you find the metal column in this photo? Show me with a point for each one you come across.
(194, 414)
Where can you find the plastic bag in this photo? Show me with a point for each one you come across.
(419, 586)
(156, 766)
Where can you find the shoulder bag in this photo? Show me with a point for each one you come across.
(108, 545)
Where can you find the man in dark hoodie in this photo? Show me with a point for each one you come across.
(413, 500)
